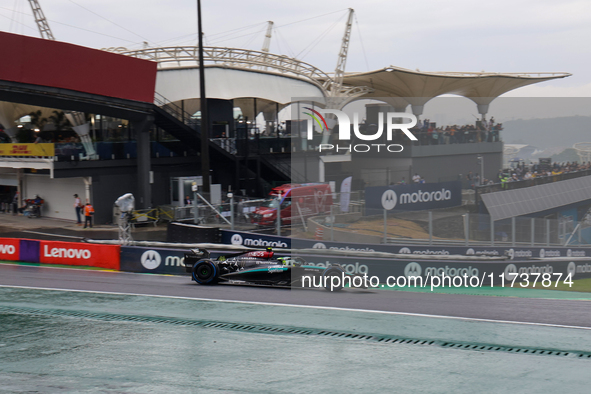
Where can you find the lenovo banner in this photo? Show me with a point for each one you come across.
(414, 197)
(75, 253)
(9, 249)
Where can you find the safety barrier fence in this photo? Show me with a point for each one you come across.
(539, 180)
(353, 258)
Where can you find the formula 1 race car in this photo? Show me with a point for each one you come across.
(261, 268)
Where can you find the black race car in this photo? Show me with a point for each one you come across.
(262, 268)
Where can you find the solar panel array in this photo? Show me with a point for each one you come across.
(509, 203)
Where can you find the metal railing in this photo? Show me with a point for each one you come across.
(107, 150)
(539, 180)
(176, 111)
(478, 229)
(145, 216)
(228, 144)
(286, 168)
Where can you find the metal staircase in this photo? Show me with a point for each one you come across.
(278, 162)
(246, 170)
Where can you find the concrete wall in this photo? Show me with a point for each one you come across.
(437, 163)
(435, 169)
(304, 165)
(107, 188)
(57, 193)
(8, 177)
(113, 183)
(113, 178)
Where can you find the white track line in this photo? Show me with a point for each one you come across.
(331, 308)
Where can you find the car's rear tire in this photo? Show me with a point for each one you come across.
(206, 273)
(327, 276)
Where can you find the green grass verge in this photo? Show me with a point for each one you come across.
(580, 285)
(53, 265)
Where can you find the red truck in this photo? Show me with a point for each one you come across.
(297, 201)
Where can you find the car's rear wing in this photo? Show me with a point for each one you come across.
(193, 257)
(201, 253)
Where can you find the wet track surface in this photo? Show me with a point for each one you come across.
(62, 354)
(545, 311)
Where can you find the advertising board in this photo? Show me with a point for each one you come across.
(413, 197)
(77, 253)
(9, 249)
(153, 260)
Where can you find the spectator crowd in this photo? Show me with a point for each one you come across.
(428, 133)
(523, 172)
(549, 172)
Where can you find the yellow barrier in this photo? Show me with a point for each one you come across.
(144, 216)
(45, 150)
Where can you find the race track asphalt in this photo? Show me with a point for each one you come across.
(559, 312)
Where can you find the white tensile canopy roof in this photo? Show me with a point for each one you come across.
(402, 86)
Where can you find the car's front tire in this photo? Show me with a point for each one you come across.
(327, 276)
(206, 272)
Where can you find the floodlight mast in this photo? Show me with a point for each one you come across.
(41, 21)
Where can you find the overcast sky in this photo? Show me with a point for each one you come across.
(430, 35)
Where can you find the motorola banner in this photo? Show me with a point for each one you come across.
(533, 252)
(413, 197)
(264, 241)
(484, 270)
(511, 253)
(171, 261)
(254, 240)
(153, 260)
